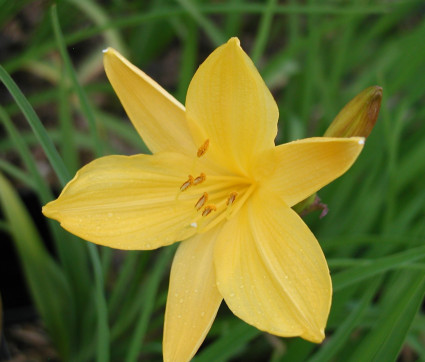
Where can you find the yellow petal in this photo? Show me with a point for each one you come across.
(229, 104)
(158, 116)
(193, 298)
(127, 202)
(271, 271)
(298, 169)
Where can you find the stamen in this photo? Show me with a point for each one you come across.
(201, 202)
(203, 148)
(208, 210)
(232, 198)
(187, 183)
(201, 178)
(241, 201)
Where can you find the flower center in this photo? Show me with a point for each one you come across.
(215, 197)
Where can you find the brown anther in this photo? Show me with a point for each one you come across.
(232, 198)
(203, 148)
(201, 202)
(208, 210)
(187, 183)
(201, 178)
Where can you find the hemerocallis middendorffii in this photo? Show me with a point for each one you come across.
(217, 182)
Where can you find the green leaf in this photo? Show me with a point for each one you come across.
(47, 283)
(380, 265)
(337, 340)
(36, 125)
(229, 343)
(385, 340)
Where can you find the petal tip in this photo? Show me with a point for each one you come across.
(314, 336)
(107, 50)
(234, 41)
(48, 210)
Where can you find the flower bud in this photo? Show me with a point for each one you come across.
(358, 116)
(356, 119)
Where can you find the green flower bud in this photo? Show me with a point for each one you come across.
(358, 116)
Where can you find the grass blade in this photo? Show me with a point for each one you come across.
(78, 89)
(36, 125)
(209, 27)
(47, 283)
(230, 343)
(148, 303)
(384, 341)
(263, 31)
(353, 275)
(340, 337)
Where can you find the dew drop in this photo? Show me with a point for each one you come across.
(181, 300)
(202, 314)
(110, 214)
(232, 294)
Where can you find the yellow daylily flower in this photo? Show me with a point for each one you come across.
(217, 181)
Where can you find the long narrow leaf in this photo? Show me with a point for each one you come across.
(79, 90)
(353, 275)
(47, 283)
(36, 125)
(384, 341)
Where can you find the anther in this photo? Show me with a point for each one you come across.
(201, 178)
(232, 198)
(208, 210)
(187, 183)
(203, 148)
(201, 202)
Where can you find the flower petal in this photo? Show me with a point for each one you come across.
(193, 299)
(127, 202)
(229, 104)
(158, 116)
(271, 271)
(298, 169)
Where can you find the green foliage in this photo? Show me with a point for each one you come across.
(315, 56)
